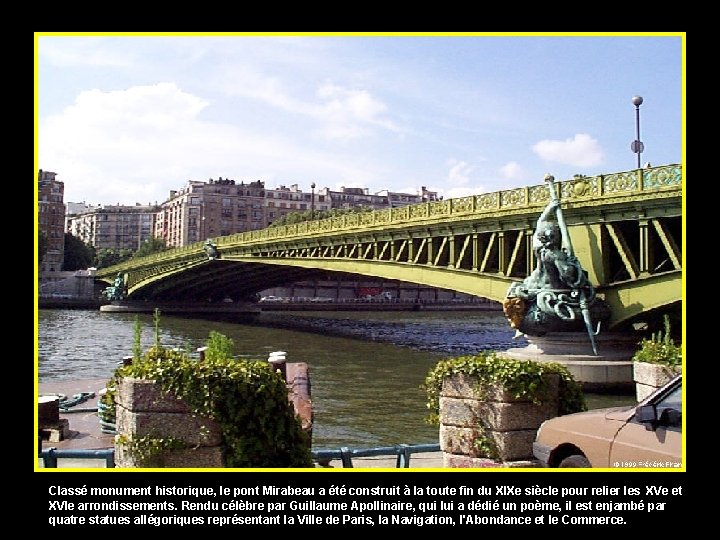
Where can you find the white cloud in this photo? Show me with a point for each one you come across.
(136, 145)
(458, 182)
(459, 173)
(581, 151)
(346, 112)
(342, 113)
(513, 171)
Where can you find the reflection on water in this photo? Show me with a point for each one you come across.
(366, 368)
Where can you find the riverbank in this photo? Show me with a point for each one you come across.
(47, 302)
(367, 305)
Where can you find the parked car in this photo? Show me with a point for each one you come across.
(648, 434)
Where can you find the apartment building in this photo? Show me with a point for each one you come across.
(209, 209)
(51, 220)
(112, 226)
(397, 199)
(283, 200)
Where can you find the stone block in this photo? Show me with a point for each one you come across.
(202, 457)
(460, 440)
(191, 428)
(511, 445)
(498, 416)
(656, 375)
(514, 445)
(142, 395)
(643, 390)
(461, 385)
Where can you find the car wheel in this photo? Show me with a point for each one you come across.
(575, 460)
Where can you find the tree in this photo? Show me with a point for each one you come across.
(150, 246)
(78, 254)
(42, 246)
(109, 257)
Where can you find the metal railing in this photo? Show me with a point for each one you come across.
(50, 456)
(403, 452)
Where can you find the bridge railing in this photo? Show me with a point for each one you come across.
(579, 188)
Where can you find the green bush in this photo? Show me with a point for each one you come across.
(247, 398)
(523, 378)
(219, 346)
(660, 348)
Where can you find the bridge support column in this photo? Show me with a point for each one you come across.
(529, 252)
(451, 251)
(475, 252)
(610, 371)
(502, 253)
(646, 249)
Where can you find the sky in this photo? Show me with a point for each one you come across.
(126, 119)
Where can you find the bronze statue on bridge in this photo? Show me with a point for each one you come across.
(557, 295)
(118, 290)
(211, 249)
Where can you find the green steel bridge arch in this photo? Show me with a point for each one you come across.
(626, 229)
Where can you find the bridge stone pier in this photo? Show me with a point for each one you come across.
(610, 371)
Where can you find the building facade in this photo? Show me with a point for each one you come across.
(51, 220)
(397, 199)
(114, 227)
(73, 209)
(203, 210)
(221, 207)
(355, 197)
(282, 200)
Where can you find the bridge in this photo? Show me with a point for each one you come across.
(626, 229)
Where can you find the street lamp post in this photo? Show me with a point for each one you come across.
(637, 146)
(312, 201)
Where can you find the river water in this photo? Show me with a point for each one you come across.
(366, 368)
